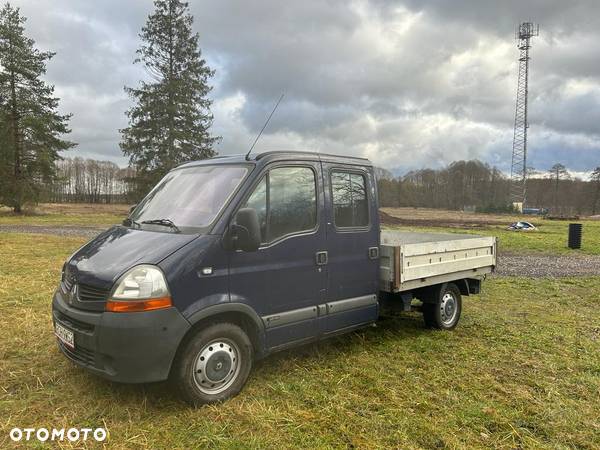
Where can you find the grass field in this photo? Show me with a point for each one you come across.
(550, 237)
(522, 370)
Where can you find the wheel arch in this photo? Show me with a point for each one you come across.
(239, 314)
(463, 286)
(429, 294)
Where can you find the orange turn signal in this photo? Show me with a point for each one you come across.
(138, 305)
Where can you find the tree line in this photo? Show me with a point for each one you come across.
(474, 185)
(91, 181)
(462, 185)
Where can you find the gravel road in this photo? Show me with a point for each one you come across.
(509, 264)
(61, 230)
(544, 265)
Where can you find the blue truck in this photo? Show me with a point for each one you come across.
(232, 258)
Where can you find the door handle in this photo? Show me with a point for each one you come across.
(373, 252)
(321, 258)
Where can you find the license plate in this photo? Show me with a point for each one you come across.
(65, 335)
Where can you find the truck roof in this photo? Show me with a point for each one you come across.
(281, 155)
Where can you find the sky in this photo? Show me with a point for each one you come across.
(408, 84)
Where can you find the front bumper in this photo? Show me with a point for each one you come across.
(134, 347)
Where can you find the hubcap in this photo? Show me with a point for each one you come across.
(448, 308)
(217, 366)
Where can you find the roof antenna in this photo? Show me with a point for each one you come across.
(263, 128)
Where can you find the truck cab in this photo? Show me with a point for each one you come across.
(227, 260)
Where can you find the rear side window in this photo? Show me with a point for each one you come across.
(350, 203)
(286, 202)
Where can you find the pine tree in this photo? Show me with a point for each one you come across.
(30, 126)
(171, 119)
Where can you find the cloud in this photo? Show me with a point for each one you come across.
(408, 84)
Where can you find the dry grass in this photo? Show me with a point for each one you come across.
(522, 370)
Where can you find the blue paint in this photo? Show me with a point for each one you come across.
(281, 276)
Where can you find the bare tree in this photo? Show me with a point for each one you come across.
(465, 184)
(87, 180)
(557, 173)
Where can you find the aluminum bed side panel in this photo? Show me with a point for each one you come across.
(455, 245)
(441, 263)
(430, 262)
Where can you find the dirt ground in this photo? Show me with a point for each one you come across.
(71, 209)
(57, 230)
(81, 208)
(428, 217)
(443, 218)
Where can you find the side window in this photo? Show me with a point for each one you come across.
(286, 202)
(350, 207)
(292, 201)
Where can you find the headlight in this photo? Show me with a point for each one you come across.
(141, 282)
(142, 288)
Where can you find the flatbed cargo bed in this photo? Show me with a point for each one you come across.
(411, 260)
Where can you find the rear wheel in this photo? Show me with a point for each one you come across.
(443, 308)
(214, 364)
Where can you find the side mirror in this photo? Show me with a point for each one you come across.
(246, 230)
(132, 208)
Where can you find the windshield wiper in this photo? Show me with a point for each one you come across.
(164, 222)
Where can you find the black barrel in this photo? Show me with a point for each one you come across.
(575, 232)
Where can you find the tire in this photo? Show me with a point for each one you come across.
(214, 364)
(443, 308)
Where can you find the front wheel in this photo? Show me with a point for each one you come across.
(214, 364)
(442, 309)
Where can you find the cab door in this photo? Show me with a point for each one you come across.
(282, 279)
(352, 246)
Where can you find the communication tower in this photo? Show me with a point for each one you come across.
(518, 171)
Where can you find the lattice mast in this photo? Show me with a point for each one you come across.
(518, 172)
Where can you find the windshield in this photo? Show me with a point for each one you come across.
(190, 197)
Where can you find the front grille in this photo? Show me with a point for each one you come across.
(89, 293)
(85, 292)
(74, 324)
(79, 354)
